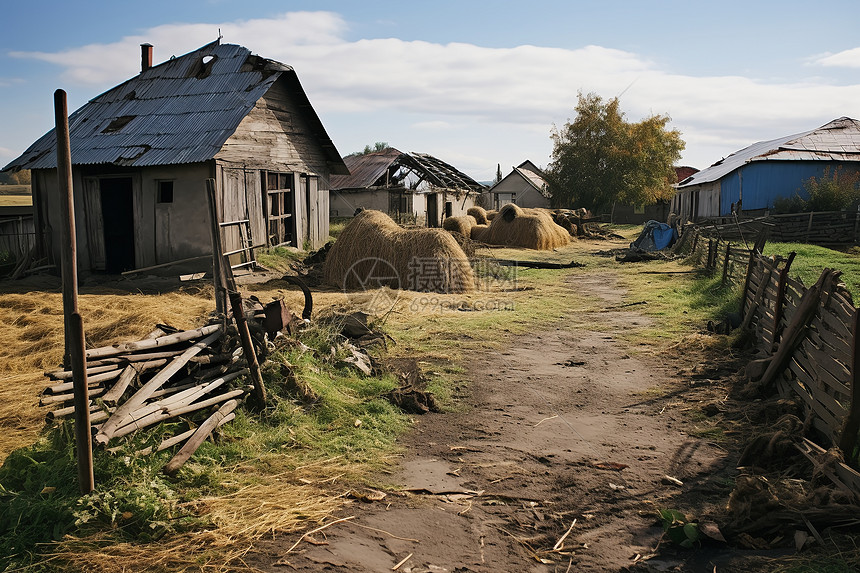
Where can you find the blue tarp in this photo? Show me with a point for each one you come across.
(655, 237)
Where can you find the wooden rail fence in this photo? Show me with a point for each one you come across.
(808, 337)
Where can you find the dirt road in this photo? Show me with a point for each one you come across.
(563, 426)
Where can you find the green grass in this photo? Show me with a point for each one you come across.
(336, 225)
(352, 422)
(811, 260)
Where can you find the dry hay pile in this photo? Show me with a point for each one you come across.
(491, 214)
(480, 215)
(478, 232)
(462, 225)
(373, 251)
(526, 228)
(32, 341)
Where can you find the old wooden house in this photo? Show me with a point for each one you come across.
(411, 187)
(143, 151)
(524, 186)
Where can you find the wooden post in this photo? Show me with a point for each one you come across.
(83, 434)
(779, 305)
(75, 348)
(806, 310)
(248, 349)
(695, 242)
(848, 436)
(217, 250)
(726, 263)
(747, 281)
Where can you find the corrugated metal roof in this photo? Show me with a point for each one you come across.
(367, 170)
(364, 170)
(181, 111)
(838, 140)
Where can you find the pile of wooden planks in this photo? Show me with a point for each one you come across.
(169, 374)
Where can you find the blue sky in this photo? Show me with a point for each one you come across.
(474, 83)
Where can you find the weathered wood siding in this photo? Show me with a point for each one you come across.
(162, 232)
(240, 198)
(274, 136)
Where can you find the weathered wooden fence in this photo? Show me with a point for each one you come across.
(17, 235)
(826, 228)
(808, 337)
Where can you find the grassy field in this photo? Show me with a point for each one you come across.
(292, 466)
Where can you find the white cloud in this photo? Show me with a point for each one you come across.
(845, 59)
(434, 125)
(506, 98)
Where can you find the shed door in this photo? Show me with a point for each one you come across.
(117, 206)
(94, 224)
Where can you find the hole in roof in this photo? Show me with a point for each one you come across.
(118, 123)
(202, 67)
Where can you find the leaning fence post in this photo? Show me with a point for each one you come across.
(248, 349)
(848, 436)
(726, 263)
(747, 282)
(780, 298)
(695, 242)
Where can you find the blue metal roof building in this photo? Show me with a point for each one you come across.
(759, 174)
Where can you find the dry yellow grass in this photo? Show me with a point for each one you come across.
(290, 501)
(32, 342)
(15, 200)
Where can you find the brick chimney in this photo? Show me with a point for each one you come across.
(145, 57)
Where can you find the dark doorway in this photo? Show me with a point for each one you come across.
(432, 211)
(118, 221)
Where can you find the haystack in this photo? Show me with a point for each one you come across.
(462, 225)
(491, 214)
(479, 213)
(373, 251)
(527, 228)
(478, 232)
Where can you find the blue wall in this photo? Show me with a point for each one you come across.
(764, 181)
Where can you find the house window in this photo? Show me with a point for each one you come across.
(279, 211)
(165, 192)
(449, 208)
